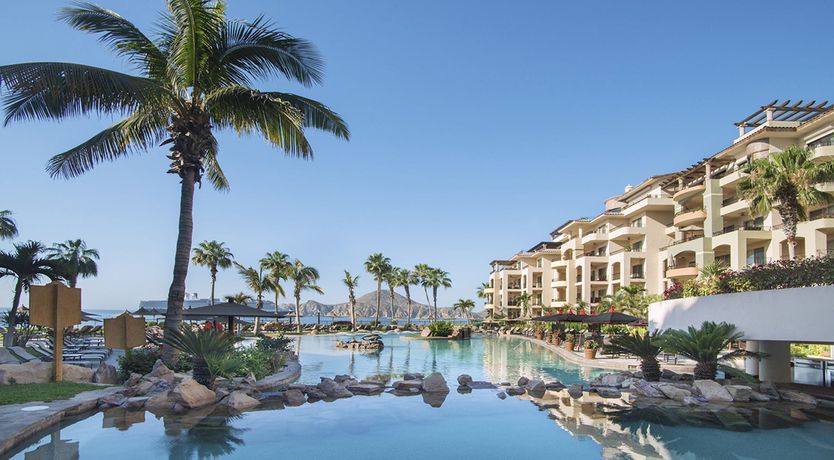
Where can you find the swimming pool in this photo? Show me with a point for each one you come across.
(476, 425)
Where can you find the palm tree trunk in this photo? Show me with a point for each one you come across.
(352, 311)
(705, 371)
(176, 293)
(260, 306)
(790, 218)
(276, 300)
(378, 300)
(434, 295)
(298, 313)
(73, 281)
(213, 282)
(408, 300)
(393, 312)
(8, 339)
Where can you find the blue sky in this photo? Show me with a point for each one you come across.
(478, 127)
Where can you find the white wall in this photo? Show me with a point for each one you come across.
(801, 315)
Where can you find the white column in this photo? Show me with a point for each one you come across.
(751, 365)
(776, 366)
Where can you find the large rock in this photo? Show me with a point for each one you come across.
(759, 397)
(191, 394)
(740, 393)
(106, 373)
(240, 401)
(38, 372)
(161, 400)
(408, 385)
(515, 391)
(293, 397)
(465, 380)
(522, 381)
(554, 385)
(608, 392)
(712, 391)
(610, 380)
(161, 371)
(413, 376)
(575, 391)
(644, 388)
(673, 392)
(426, 332)
(767, 388)
(535, 387)
(435, 383)
(798, 397)
(365, 389)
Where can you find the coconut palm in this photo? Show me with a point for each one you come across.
(465, 307)
(277, 264)
(257, 282)
(377, 265)
(26, 264)
(421, 274)
(787, 182)
(645, 347)
(351, 282)
(392, 279)
(195, 77)
(481, 290)
(8, 227)
(210, 352)
(304, 278)
(704, 345)
(406, 278)
(75, 260)
(523, 301)
(241, 298)
(436, 279)
(632, 299)
(214, 255)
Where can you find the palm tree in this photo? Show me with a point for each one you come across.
(464, 306)
(241, 298)
(406, 278)
(524, 302)
(481, 290)
(703, 345)
(437, 278)
(210, 352)
(632, 299)
(351, 282)
(422, 272)
(277, 263)
(304, 278)
(787, 182)
(195, 77)
(392, 278)
(214, 255)
(75, 259)
(644, 347)
(377, 265)
(257, 282)
(26, 265)
(8, 227)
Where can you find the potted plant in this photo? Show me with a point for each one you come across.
(570, 340)
(539, 333)
(556, 339)
(591, 349)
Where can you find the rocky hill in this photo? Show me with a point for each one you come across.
(366, 307)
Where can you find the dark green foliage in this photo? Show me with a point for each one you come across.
(643, 346)
(211, 353)
(703, 345)
(141, 361)
(274, 344)
(441, 328)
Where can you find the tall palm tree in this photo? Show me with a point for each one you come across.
(214, 255)
(524, 302)
(392, 279)
(406, 278)
(277, 264)
(27, 265)
(304, 278)
(351, 282)
(377, 265)
(241, 298)
(465, 307)
(437, 278)
(75, 260)
(8, 227)
(257, 282)
(787, 182)
(195, 77)
(422, 272)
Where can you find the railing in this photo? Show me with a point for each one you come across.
(637, 275)
(593, 254)
(599, 278)
(596, 299)
(686, 211)
(730, 201)
(626, 250)
(682, 240)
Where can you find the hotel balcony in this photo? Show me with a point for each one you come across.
(682, 272)
(734, 207)
(649, 203)
(823, 153)
(558, 283)
(594, 237)
(731, 178)
(689, 217)
(684, 194)
(626, 231)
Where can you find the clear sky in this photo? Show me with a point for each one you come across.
(478, 127)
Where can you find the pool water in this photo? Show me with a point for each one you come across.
(475, 425)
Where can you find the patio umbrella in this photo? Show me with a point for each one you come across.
(230, 311)
(611, 317)
(562, 318)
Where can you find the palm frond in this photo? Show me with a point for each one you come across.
(197, 23)
(316, 115)
(213, 171)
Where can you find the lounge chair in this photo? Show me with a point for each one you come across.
(24, 355)
(6, 357)
(68, 358)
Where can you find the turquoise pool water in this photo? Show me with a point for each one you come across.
(477, 425)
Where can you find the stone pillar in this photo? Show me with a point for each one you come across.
(776, 366)
(751, 365)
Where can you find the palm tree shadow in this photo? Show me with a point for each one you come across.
(212, 437)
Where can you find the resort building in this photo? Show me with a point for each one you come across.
(669, 226)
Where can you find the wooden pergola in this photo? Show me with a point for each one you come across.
(784, 111)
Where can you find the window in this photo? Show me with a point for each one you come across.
(756, 256)
(601, 251)
(724, 261)
(822, 213)
(755, 224)
(823, 142)
(637, 271)
(637, 246)
(637, 223)
(602, 229)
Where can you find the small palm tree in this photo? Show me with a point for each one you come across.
(195, 78)
(241, 298)
(643, 346)
(351, 282)
(377, 265)
(214, 255)
(257, 282)
(703, 345)
(437, 278)
(465, 307)
(304, 278)
(26, 265)
(210, 352)
(8, 227)
(406, 278)
(392, 278)
(787, 182)
(75, 260)
(277, 264)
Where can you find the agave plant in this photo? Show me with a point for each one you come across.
(210, 352)
(704, 345)
(643, 346)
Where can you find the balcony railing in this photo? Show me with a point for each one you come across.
(599, 278)
(683, 240)
(637, 276)
(626, 250)
(730, 201)
(685, 211)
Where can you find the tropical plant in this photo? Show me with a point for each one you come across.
(241, 298)
(465, 307)
(787, 182)
(523, 301)
(421, 275)
(481, 290)
(24, 329)
(634, 300)
(643, 346)
(351, 282)
(304, 278)
(377, 265)
(437, 278)
(406, 278)
(74, 260)
(441, 328)
(703, 345)
(195, 77)
(210, 351)
(214, 255)
(277, 264)
(8, 227)
(392, 278)
(257, 282)
(27, 265)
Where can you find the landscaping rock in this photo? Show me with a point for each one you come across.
(426, 332)
(575, 391)
(240, 401)
(673, 392)
(106, 373)
(740, 393)
(133, 379)
(554, 386)
(693, 401)
(626, 384)
(798, 397)
(644, 388)
(759, 397)
(74, 373)
(515, 391)
(770, 390)
(609, 380)
(522, 381)
(191, 394)
(294, 397)
(161, 371)
(136, 402)
(413, 376)
(435, 383)
(407, 385)
(161, 400)
(536, 387)
(366, 389)
(608, 392)
(712, 391)
(112, 400)
(668, 374)
(501, 395)
(465, 380)
(343, 378)
(434, 399)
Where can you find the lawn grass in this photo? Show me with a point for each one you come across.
(21, 393)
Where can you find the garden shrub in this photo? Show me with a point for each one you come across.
(441, 328)
(141, 361)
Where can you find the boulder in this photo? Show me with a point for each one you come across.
(798, 397)
(759, 397)
(668, 375)
(161, 400)
(608, 392)
(575, 391)
(240, 401)
(435, 383)
(673, 392)
(770, 390)
(515, 391)
(106, 373)
(465, 380)
(39, 372)
(136, 402)
(365, 389)
(133, 379)
(712, 391)
(501, 395)
(314, 394)
(413, 376)
(522, 381)
(113, 400)
(426, 332)
(407, 385)
(693, 401)
(294, 397)
(161, 371)
(555, 385)
(343, 378)
(535, 387)
(191, 394)
(610, 380)
(644, 388)
(628, 382)
(740, 393)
